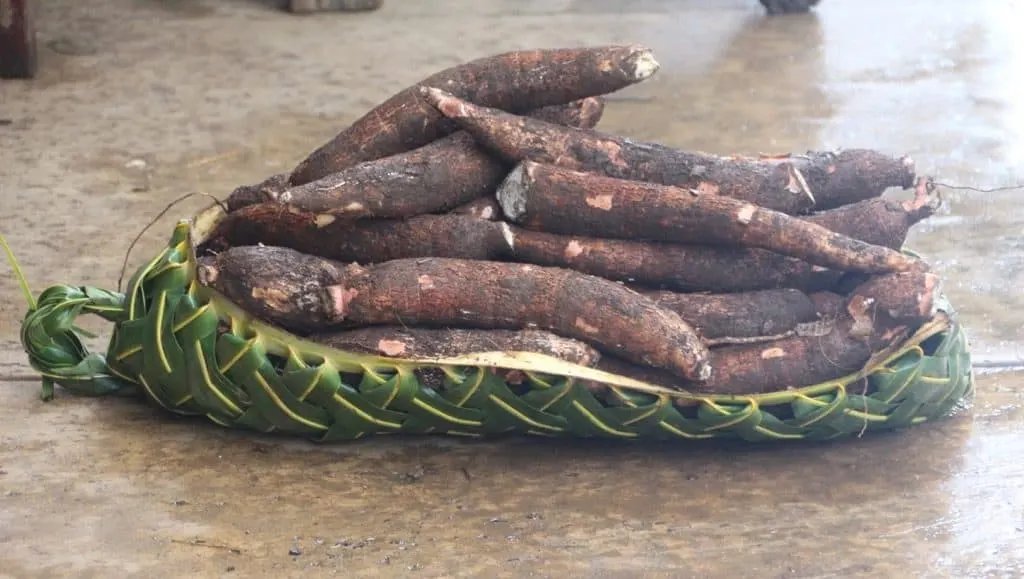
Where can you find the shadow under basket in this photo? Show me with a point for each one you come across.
(195, 353)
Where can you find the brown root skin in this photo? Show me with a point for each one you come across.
(684, 268)
(797, 361)
(434, 178)
(881, 222)
(851, 175)
(493, 295)
(366, 241)
(739, 315)
(908, 298)
(559, 200)
(517, 81)
(266, 190)
(776, 185)
(485, 208)
(279, 286)
(405, 342)
(584, 113)
(828, 305)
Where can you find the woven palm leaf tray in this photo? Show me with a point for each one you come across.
(193, 352)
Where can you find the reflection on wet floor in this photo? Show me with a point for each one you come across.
(111, 488)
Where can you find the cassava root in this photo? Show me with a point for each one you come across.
(435, 177)
(480, 210)
(296, 290)
(779, 183)
(516, 81)
(558, 200)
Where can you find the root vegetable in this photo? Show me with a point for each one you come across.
(266, 190)
(850, 175)
(881, 222)
(906, 298)
(457, 293)
(433, 178)
(486, 208)
(686, 268)
(777, 183)
(517, 81)
(739, 315)
(367, 241)
(792, 362)
(559, 200)
(797, 361)
(277, 285)
(403, 342)
(828, 305)
(583, 113)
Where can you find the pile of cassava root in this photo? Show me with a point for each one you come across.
(480, 210)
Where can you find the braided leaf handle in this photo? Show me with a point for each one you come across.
(55, 349)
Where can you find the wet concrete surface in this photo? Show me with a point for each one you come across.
(140, 102)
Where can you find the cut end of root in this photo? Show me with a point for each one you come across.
(702, 372)
(643, 64)
(933, 291)
(925, 202)
(448, 104)
(909, 171)
(207, 274)
(508, 235)
(336, 299)
(799, 185)
(511, 193)
(591, 111)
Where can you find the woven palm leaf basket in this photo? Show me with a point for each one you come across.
(193, 352)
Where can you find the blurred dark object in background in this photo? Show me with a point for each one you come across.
(17, 40)
(788, 6)
(308, 6)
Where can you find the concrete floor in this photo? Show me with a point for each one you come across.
(140, 102)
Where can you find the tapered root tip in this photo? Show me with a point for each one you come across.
(508, 235)
(511, 193)
(642, 64)
(448, 104)
(591, 110)
(925, 202)
(933, 292)
(909, 171)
